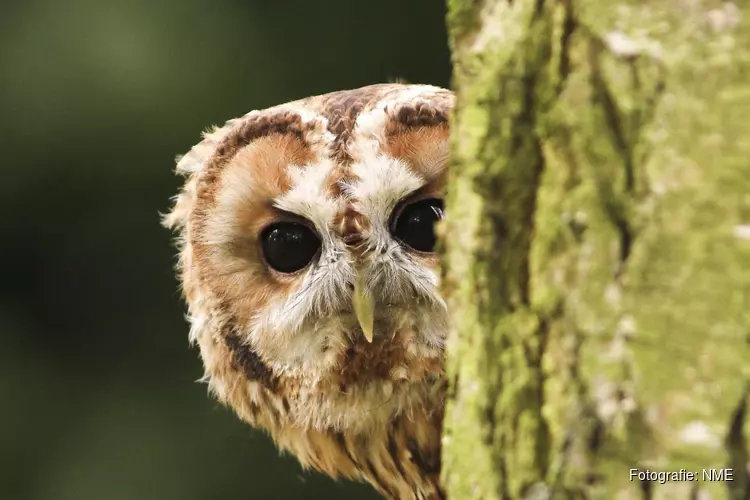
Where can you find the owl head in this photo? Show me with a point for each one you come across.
(306, 237)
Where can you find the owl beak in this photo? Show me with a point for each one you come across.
(364, 308)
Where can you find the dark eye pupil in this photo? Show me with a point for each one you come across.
(415, 225)
(289, 246)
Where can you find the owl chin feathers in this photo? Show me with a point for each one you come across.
(329, 376)
(306, 237)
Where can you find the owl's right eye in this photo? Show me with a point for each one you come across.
(289, 246)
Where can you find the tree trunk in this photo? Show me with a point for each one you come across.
(597, 249)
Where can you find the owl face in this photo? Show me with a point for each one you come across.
(307, 254)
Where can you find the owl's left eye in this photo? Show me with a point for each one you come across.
(415, 224)
(289, 246)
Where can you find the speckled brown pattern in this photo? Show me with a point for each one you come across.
(342, 108)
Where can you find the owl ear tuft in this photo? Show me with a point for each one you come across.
(194, 160)
(188, 165)
(176, 219)
(399, 80)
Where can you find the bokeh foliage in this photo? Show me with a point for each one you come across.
(98, 399)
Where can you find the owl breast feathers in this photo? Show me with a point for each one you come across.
(306, 255)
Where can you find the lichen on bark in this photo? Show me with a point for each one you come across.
(597, 248)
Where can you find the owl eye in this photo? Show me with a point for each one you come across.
(289, 246)
(415, 224)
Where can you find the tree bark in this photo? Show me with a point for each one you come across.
(596, 249)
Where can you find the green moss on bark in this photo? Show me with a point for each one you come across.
(597, 249)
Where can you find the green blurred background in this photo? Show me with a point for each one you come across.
(98, 398)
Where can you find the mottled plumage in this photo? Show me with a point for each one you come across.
(285, 349)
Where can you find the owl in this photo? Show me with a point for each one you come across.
(306, 239)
